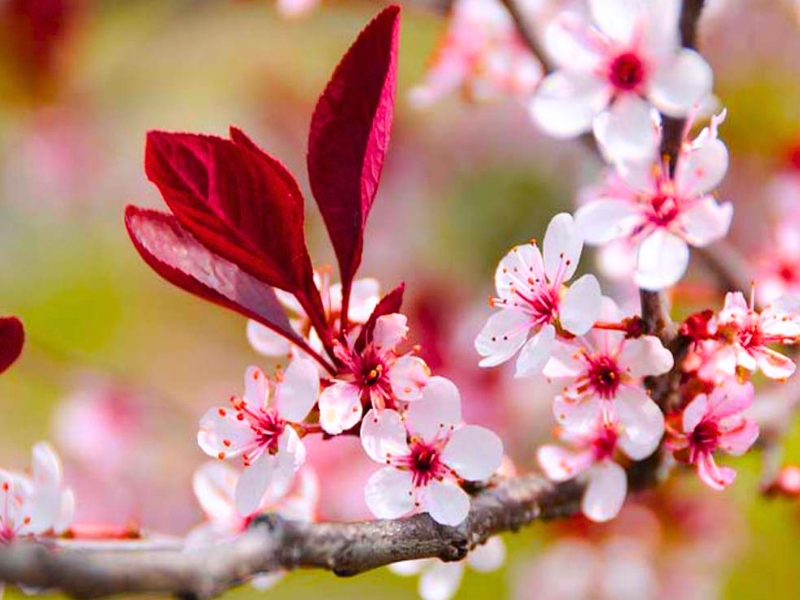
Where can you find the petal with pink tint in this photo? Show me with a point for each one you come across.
(628, 130)
(715, 477)
(560, 464)
(730, 399)
(503, 335)
(566, 42)
(702, 168)
(536, 352)
(605, 492)
(618, 19)
(515, 268)
(408, 376)
(576, 413)
(644, 356)
(253, 484)
(565, 362)
(680, 84)
(383, 435)
(222, 435)
(642, 422)
(661, 261)
(445, 502)
(606, 219)
(706, 221)
(265, 341)
(739, 440)
(214, 486)
(46, 466)
(256, 389)
(439, 409)
(364, 298)
(473, 452)
(297, 393)
(340, 407)
(389, 493)
(694, 413)
(390, 330)
(566, 103)
(580, 308)
(562, 248)
(774, 364)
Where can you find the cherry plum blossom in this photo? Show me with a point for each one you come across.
(262, 427)
(714, 422)
(532, 299)
(425, 455)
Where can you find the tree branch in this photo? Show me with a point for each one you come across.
(272, 544)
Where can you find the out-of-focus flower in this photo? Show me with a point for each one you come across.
(612, 70)
(592, 456)
(748, 333)
(713, 422)
(531, 300)
(602, 374)
(440, 580)
(481, 55)
(661, 214)
(426, 456)
(264, 433)
(372, 373)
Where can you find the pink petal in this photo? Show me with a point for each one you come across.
(739, 440)
(562, 248)
(644, 356)
(408, 376)
(536, 352)
(580, 308)
(349, 136)
(383, 435)
(681, 83)
(340, 407)
(642, 422)
(388, 305)
(389, 493)
(297, 393)
(473, 452)
(702, 168)
(566, 103)
(730, 399)
(504, 333)
(390, 330)
(695, 412)
(438, 410)
(774, 364)
(445, 502)
(662, 260)
(717, 478)
(605, 492)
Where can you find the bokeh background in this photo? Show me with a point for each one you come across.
(119, 366)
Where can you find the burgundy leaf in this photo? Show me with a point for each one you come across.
(391, 303)
(173, 253)
(12, 338)
(349, 136)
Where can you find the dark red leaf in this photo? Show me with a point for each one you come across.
(391, 303)
(12, 338)
(173, 253)
(349, 137)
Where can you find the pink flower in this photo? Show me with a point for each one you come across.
(373, 374)
(611, 70)
(593, 458)
(714, 422)
(440, 580)
(481, 55)
(603, 373)
(36, 503)
(263, 433)
(748, 334)
(531, 299)
(661, 215)
(426, 455)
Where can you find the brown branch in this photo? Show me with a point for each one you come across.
(273, 544)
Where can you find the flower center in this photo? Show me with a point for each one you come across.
(604, 376)
(269, 426)
(750, 336)
(665, 209)
(626, 72)
(426, 463)
(704, 437)
(605, 444)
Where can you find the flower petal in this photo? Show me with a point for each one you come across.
(473, 452)
(560, 464)
(606, 219)
(618, 19)
(562, 248)
(445, 502)
(214, 487)
(389, 493)
(628, 131)
(383, 435)
(661, 261)
(222, 435)
(504, 333)
(390, 330)
(702, 168)
(580, 308)
(706, 221)
(439, 409)
(297, 393)
(566, 103)
(644, 356)
(489, 556)
(256, 389)
(536, 352)
(715, 477)
(408, 376)
(515, 268)
(681, 83)
(253, 484)
(441, 580)
(605, 492)
(340, 407)
(265, 341)
(576, 413)
(642, 422)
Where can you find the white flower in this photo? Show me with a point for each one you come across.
(611, 70)
(532, 300)
(263, 433)
(426, 456)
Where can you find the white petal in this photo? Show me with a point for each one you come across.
(389, 493)
(562, 248)
(488, 557)
(445, 502)
(473, 452)
(618, 19)
(364, 297)
(441, 580)
(265, 341)
(516, 267)
(706, 221)
(536, 352)
(256, 388)
(253, 484)
(340, 407)
(46, 466)
(408, 376)
(564, 362)
(504, 333)
(383, 435)
(297, 393)
(605, 219)
(565, 42)
(661, 261)
(580, 308)
(576, 413)
(681, 83)
(390, 330)
(644, 356)
(628, 131)
(560, 464)
(222, 435)
(214, 487)
(438, 410)
(701, 169)
(642, 422)
(605, 492)
(566, 103)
